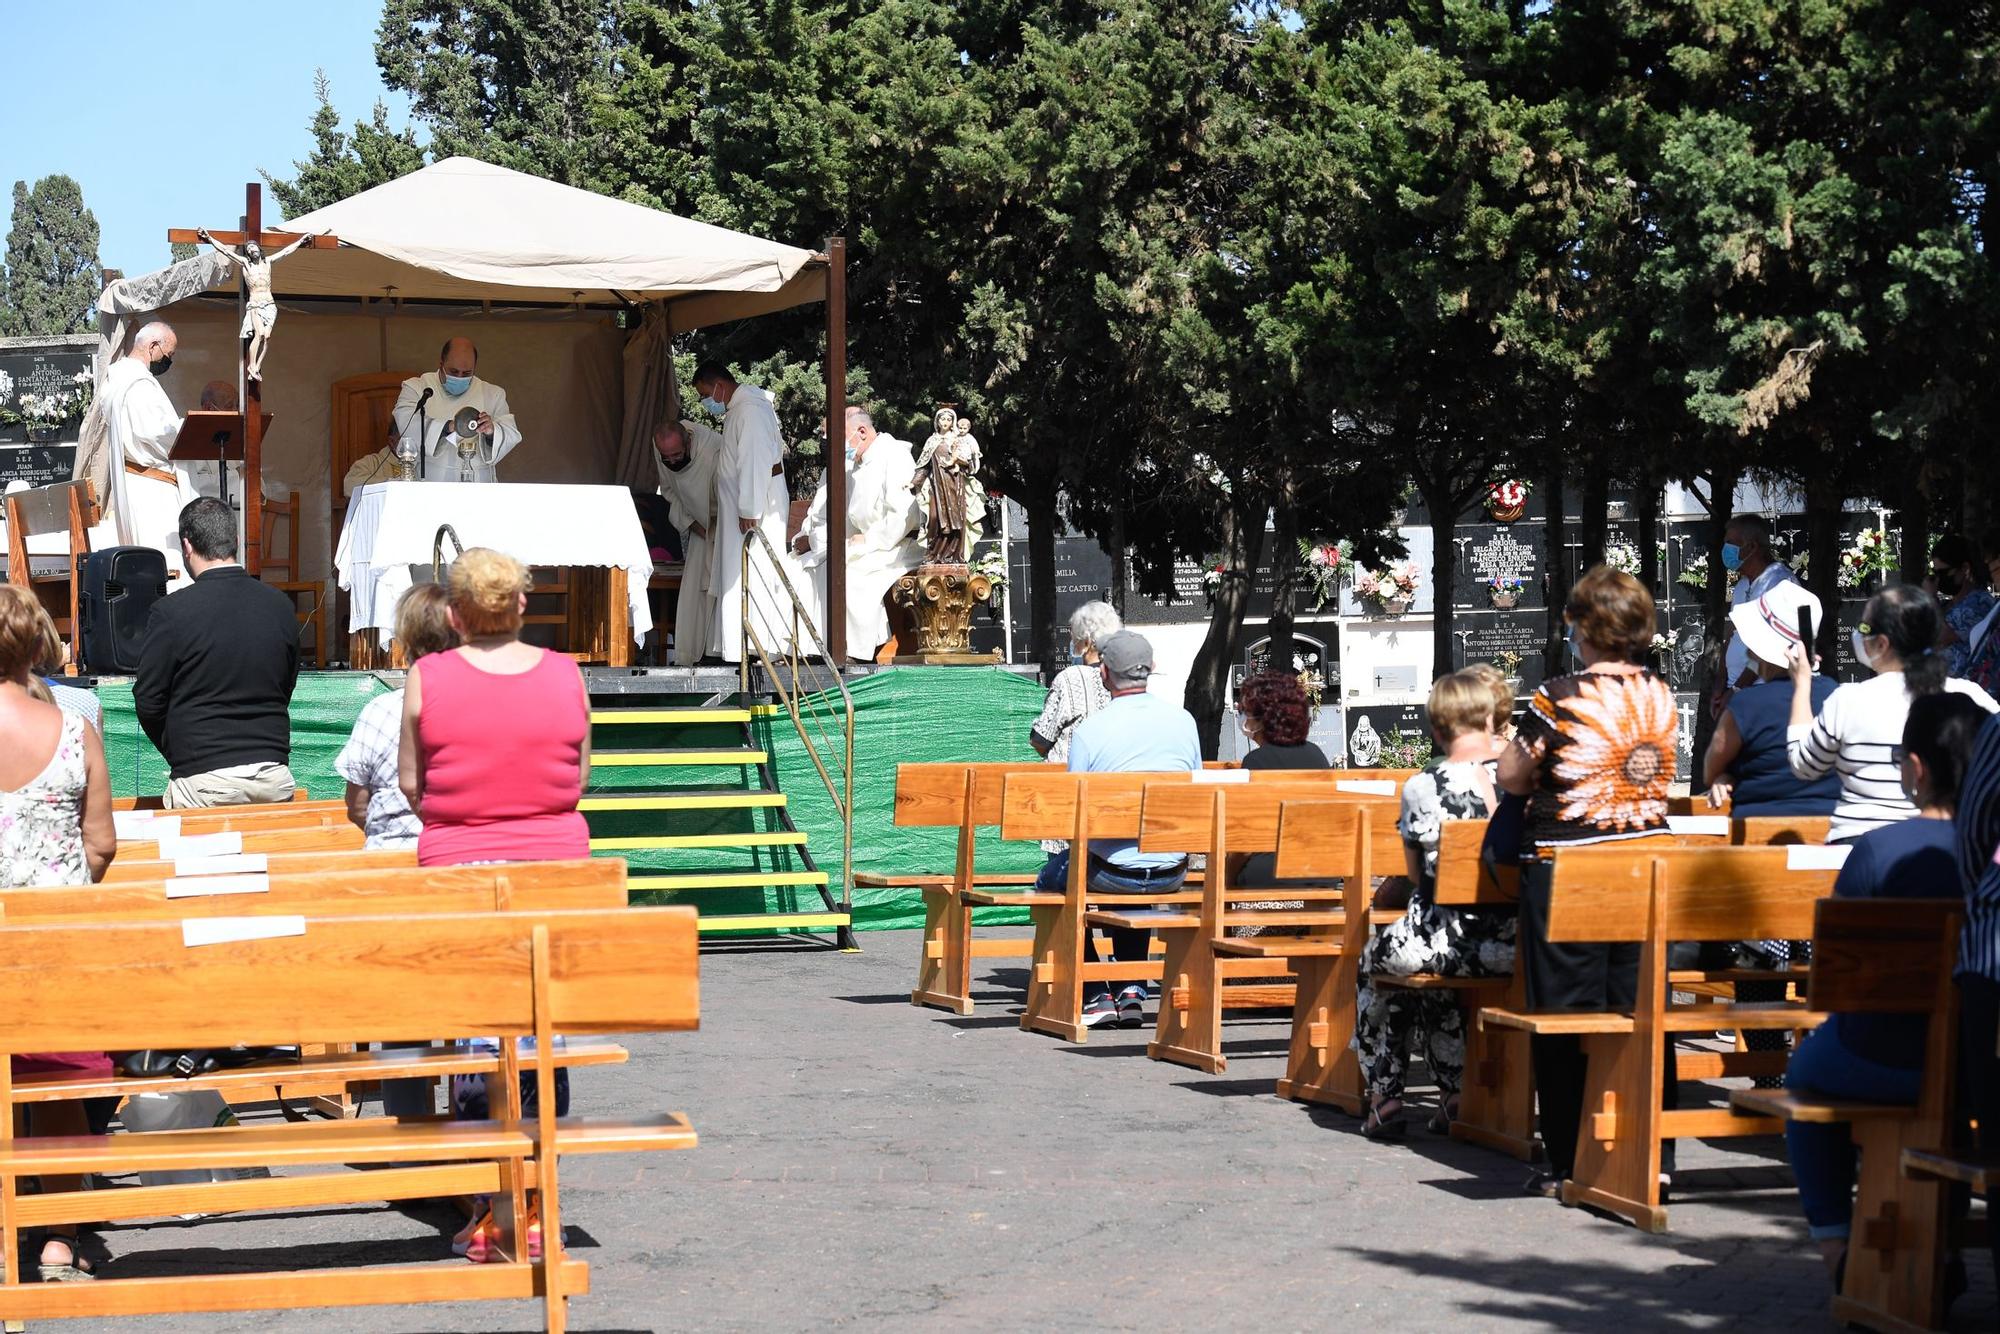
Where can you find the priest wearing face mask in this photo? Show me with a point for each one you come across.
(1746, 553)
(447, 453)
(882, 519)
(125, 453)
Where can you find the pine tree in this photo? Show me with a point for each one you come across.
(53, 276)
(341, 164)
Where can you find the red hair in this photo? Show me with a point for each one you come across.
(1277, 702)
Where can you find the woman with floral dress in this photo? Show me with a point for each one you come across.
(55, 829)
(1430, 938)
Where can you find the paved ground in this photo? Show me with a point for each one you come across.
(864, 1163)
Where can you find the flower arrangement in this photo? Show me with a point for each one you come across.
(1872, 552)
(1623, 557)
(1507, 499)
(1504, 591)
(1310, 680)
(1325, 564)
(43, 412)
(993, 564)
(1385, 588)
(1407, 750)
(1509, 663)
(1212, 573)
(1694, 573)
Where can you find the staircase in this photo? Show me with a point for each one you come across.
(688, 797)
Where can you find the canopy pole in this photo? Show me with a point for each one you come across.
(836, 451)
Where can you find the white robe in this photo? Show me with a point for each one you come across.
(750, 483)
(142, 427)
(440, 461)
(690, 495)
(882, 516)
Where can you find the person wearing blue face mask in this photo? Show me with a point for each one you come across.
(447, 455)
(1746, 553)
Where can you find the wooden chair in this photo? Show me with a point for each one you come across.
(1652, 892)
(1202, 954)
(69, 508)
(1889, 956)
(283, 561)
(126, 868)
(339, 979)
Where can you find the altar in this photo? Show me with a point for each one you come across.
(591, 532)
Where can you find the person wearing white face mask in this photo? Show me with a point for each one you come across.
(454, 446)
(1860, 726)
(1746, 553)
(881, 520)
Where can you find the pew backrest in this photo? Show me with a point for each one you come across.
(1779, 830)
(1180, 817)
(341, 837)
(1603, 892)
(935, 795)
(1043, 804)
(126, 869)
(1327, 838)
(1883, 955)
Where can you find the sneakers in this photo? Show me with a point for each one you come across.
(1132, 1007)
(1100, 1009)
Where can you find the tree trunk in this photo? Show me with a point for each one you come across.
(1116, 547)
(1594, 513)
(1650, 535)
(1556, 574)
(1040, 503)
(1714, 604)
(1208, 679)
(1823, 498)
(1914, 513)
(1284, 569)
(1437, 502)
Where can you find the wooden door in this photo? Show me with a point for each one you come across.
(361, 423)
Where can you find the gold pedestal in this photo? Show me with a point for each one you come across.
(940, 599)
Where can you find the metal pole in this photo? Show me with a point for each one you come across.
(743, 613)
(836, 451)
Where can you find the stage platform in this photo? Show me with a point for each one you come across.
(901, 714)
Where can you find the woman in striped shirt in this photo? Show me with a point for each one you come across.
(1861, 724)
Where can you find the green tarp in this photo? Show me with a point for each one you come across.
(907, 715)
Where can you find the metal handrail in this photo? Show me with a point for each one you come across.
(822, 678)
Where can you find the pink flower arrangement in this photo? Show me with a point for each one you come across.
(1396, 582)
(1509, 494)
(1325, 563)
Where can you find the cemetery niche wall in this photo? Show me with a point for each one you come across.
(42, 402)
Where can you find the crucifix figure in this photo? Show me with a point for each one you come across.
(260, 308)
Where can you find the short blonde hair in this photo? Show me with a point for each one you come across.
(422, 627)
(1495, 682)
(28, 638)
(1460, 703)
(486, 588)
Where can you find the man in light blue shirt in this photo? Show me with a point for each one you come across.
(1136, 732)
(1746, 552)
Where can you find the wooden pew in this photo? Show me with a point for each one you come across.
(369, 978)
(218, 819)
(1651, 892)
(1888, 956)
(1778, 830)
(1201, 954)
(341, 837)
(156, 803)
(129, 868)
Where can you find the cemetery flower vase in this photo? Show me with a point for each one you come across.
(1507, 513)
(1505, 599)
(1395, 606)
(43, 433)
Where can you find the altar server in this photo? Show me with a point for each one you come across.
(488, 434)
(686, 454)
(750, 495)
(140, 488)
(882, 518)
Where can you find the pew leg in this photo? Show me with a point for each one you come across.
(1895, 1258)
(1055, 974)
(1496, 1108)
(1321, 1065)
(1189, 1031)
(944, 969)
(1618, 1144)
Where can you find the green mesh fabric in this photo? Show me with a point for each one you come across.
(324, 706)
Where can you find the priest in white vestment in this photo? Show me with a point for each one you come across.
(489, 433)
(141, 490)
(882, 519)
(750, 495)
(686, 455)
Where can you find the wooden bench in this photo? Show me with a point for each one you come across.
(1202, 956)
(66, 508)
(510, 975)
(216, 819)
(128, 868)
(1652, 892)
(1888, 956)
(341, 837)
(157, 804)
(334, 1075)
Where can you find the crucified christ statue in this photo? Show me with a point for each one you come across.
(260, 308)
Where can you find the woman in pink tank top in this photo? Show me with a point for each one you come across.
(496, 733)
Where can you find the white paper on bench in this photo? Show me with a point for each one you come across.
(1220, 776)
(200, 845)
(222, 930)
(1377, 787)
(1698, 824)
(232, 863)
(1815, 856)
(202, 886)
(130, 825)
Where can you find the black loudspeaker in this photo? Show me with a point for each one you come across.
(120, 586)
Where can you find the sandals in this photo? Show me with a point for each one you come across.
(1380, 1128)
(1441, 1119)
(73, 1270)
(479, 1241)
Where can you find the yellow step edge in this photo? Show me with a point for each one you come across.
(702, 801)
(777, 838)
(695, 880)
(680, 716)
(810, 921)
(611, 759)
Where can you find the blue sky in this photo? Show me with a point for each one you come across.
(191, 106)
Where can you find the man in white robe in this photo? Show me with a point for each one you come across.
(140, 489)
(453, 387)
(686, 455)
(882, 519)
(750, 495)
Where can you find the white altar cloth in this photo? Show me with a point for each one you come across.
(393, 525)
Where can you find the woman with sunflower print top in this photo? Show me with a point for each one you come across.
(1594, 756)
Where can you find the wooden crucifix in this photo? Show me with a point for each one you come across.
(250, 247)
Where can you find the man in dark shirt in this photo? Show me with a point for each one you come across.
(216, 673)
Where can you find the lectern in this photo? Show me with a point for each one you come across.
(214, 436)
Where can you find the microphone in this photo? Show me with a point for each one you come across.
(423, 429)
(425, 397)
